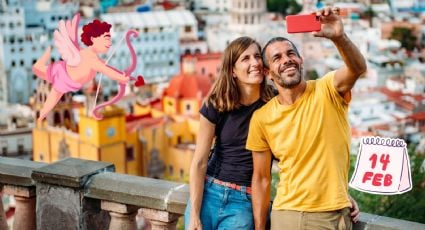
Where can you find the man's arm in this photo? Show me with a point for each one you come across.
(354, 62)
(261, 181)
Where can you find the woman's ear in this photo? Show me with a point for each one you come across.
(233, 74)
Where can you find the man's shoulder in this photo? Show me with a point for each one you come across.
(266, 108)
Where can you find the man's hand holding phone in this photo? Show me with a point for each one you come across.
(321, 23)
(302, 23)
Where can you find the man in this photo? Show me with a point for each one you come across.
(306, 127)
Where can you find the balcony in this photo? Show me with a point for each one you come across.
(81, 194)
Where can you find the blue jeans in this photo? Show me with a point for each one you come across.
(223, 208)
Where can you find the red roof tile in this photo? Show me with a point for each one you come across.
(418, 116)
(188, 86)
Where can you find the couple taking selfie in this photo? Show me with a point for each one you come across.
(304, 126)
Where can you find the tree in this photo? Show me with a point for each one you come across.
(405, 36)
(407, 206)
(312, 75)
(284, 7)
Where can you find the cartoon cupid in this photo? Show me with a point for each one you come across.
(80, 66)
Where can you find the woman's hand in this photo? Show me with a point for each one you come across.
(195, 223)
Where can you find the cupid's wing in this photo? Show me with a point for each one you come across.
(66, 42)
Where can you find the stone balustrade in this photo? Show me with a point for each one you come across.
(81, 194)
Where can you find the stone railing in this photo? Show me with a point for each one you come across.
(81, 194)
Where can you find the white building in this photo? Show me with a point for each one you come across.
(15, 131)
(48, 13)
(157, 47)
(217, 6)
(370, 109)
(246, 18)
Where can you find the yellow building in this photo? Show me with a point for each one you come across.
(171, 130)
(104, 140)
(157, 140)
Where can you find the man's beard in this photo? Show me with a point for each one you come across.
(288, 83)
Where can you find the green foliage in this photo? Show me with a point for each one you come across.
(180, 223)
(275, 181)
(407, 206)
(284, 7)
(405, 36)
(312, 74)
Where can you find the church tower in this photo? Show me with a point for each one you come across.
(247, 16)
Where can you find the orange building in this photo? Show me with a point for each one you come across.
(205, 64)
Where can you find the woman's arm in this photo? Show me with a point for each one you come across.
(198, 170)
(261, 181)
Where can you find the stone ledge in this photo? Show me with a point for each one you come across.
(70, 172)
(139, 191)
(375, 222)
(17, 171)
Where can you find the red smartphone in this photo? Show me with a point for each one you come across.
(302, 23)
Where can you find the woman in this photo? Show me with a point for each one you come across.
(239, 90)
(220, 192)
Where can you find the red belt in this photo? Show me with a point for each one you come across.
(230, 185)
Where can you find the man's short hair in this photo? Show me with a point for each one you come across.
(271, 41)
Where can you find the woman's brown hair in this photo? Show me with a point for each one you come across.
(225, 95)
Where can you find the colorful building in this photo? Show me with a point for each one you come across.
(157, 140)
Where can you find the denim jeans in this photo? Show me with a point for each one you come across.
(223, 208)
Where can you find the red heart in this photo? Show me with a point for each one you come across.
(140, 81)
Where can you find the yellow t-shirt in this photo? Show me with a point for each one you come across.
(311, 139)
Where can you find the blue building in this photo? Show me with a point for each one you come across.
(157, 47)
(26, 31)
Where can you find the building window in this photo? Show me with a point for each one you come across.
(20, 149)
(170, 170)
(187, 29)
(188, 107)
(129, 154)
(203, 70)
(4, 148)
(181, 173)
(56, 119)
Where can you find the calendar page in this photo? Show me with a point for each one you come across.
(382, 167)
